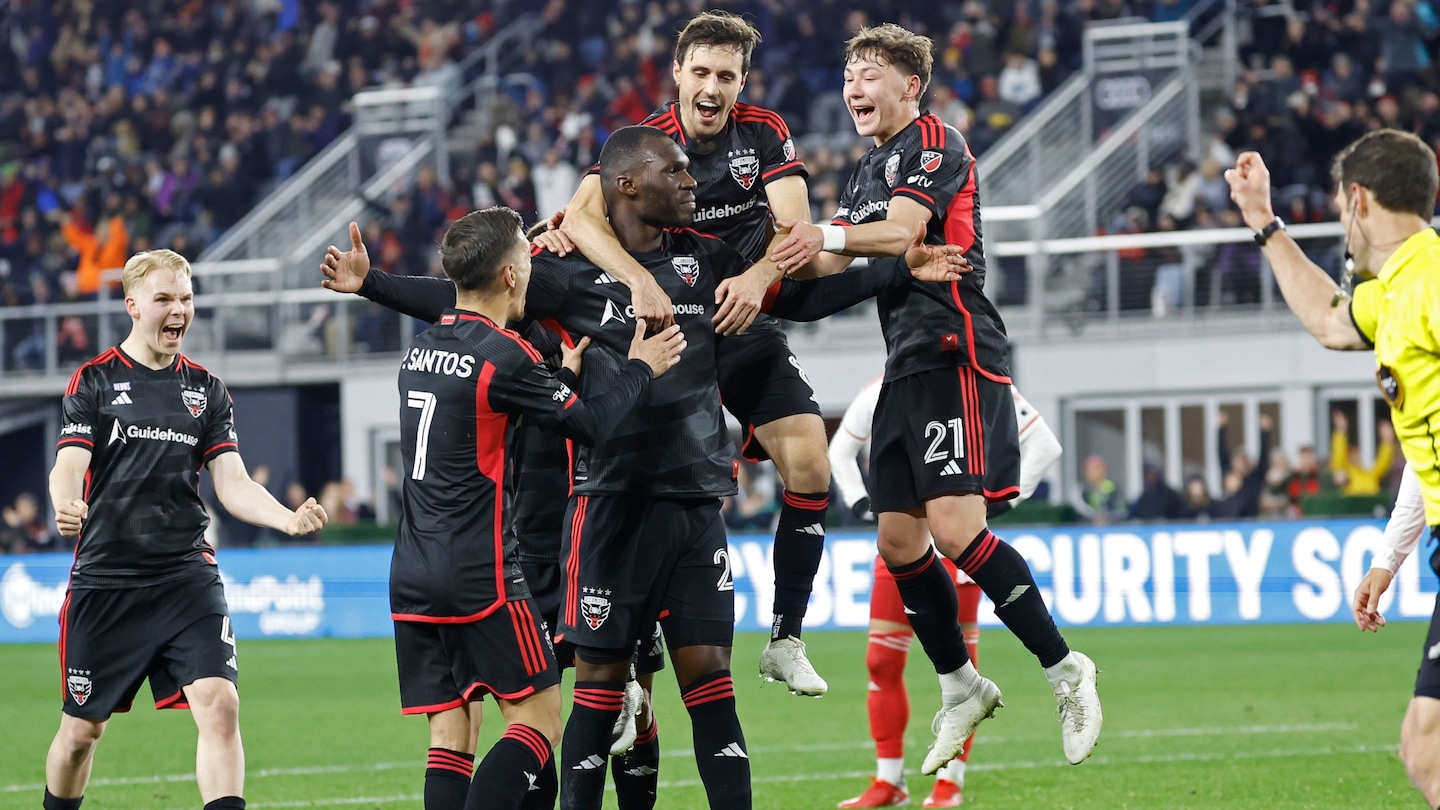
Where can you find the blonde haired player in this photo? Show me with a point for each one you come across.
(145, 599)
(890, 632)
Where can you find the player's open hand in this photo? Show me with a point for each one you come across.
(935, 262)
(739, 299)
(551, 237)
(661, 351)
(1367, 600)
(651, 303)
(70, 516)
(570, 356)
(1250, 189)
(796, 250)
(308, 517)
(345, 272)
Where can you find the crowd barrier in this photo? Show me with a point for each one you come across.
(1176, 574)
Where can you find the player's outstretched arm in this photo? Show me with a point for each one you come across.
(1402, 534)
(1308, 290)
(67, 488)
(586, 224)
(420, 297)
(252, 503)
(739, 299)
(846, 445)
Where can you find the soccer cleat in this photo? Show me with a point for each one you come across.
(945, 794)
(622, 736)
(954, 724)
(1080, 716)
(784, 661)
(879, 794)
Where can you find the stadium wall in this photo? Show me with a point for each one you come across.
(1179, 574)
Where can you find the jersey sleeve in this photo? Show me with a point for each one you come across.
(531, 389)
(847, 201)
(549, 284)
(934, 174)
(220, 435)
(1365, 309)
(81, 411)
(725, 261)
(777, 149)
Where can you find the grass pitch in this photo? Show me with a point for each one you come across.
(1207, 717)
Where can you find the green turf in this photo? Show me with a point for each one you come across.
(1214, 717)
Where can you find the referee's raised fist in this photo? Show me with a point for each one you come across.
(1250, 189)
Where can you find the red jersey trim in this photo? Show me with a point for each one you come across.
(970, 338)
(104, 357)
(572, 561)
(910, 192)
(75, 440)
(786, 167)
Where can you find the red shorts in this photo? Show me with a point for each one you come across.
(885, 601)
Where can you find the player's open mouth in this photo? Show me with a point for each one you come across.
(862, 114)
(173, 331)
(708, 111)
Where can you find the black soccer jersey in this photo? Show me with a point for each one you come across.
(461, 385)
(930, 325)
(149, 432)
(542, 468)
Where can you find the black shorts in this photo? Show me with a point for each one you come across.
(443, 666)
(630, 561)
(112, 640)
(761, 382)
(943, 432)
(1427, 680)
(547, 588)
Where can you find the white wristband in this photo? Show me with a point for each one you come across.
(834, 236)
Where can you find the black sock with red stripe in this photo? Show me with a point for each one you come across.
(508, 773)
(53, 802)
(931, 605)
(1004, 576)
(799, 541)
(545, 791)
(447, 778)
(586, 745)
(720, 753)
(637, 773)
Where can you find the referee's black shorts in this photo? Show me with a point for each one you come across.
(761, 382)
(943, 432)
(112, 640)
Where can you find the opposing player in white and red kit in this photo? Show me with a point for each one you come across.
(145, 599)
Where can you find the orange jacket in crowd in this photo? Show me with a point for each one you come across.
(96, 256)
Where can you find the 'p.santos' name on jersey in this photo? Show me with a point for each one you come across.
(436, 361)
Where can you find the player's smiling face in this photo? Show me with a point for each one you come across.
(710, 80)
(162, 308)
(881, 101)
(666, 187)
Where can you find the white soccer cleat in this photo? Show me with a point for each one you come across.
(622, 736)
(784, 661)
(954, 724)
(1079, 706)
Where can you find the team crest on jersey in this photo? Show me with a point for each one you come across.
(788, 148)
(745, 168)
(595, 606)
(195, 401)
(1391, 388)
(892, 168)
(688, 268)
(79, 686)
(930, 160)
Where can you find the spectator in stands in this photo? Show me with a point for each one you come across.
(1158, 501)
(106, 246)
(1019, 80)
(1274, 497)
(1099, 501)
(555, 183)
(1351, 476)
(1304, 479)
(1243, 480)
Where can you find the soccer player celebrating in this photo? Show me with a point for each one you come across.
(1385, 191)
(890, 633)
(464, 621)
(145, 598)
(645, 538)
(744, 162)
(945, 442)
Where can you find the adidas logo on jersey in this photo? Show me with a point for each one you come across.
(952, 468)
(122, 398)
(592, 762)
(605, 278)
(814, 528)
(733, 750)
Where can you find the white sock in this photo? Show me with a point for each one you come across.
(891, 770)
(954, 771)
(958, 686)
(1067, 670)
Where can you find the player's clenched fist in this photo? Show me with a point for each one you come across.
(660, 352)
(1250, 189)
(70, 516)
(309, 517)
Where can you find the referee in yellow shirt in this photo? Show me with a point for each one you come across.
(1385, 191)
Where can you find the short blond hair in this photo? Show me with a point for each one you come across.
(146, 261)
(889, 44)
